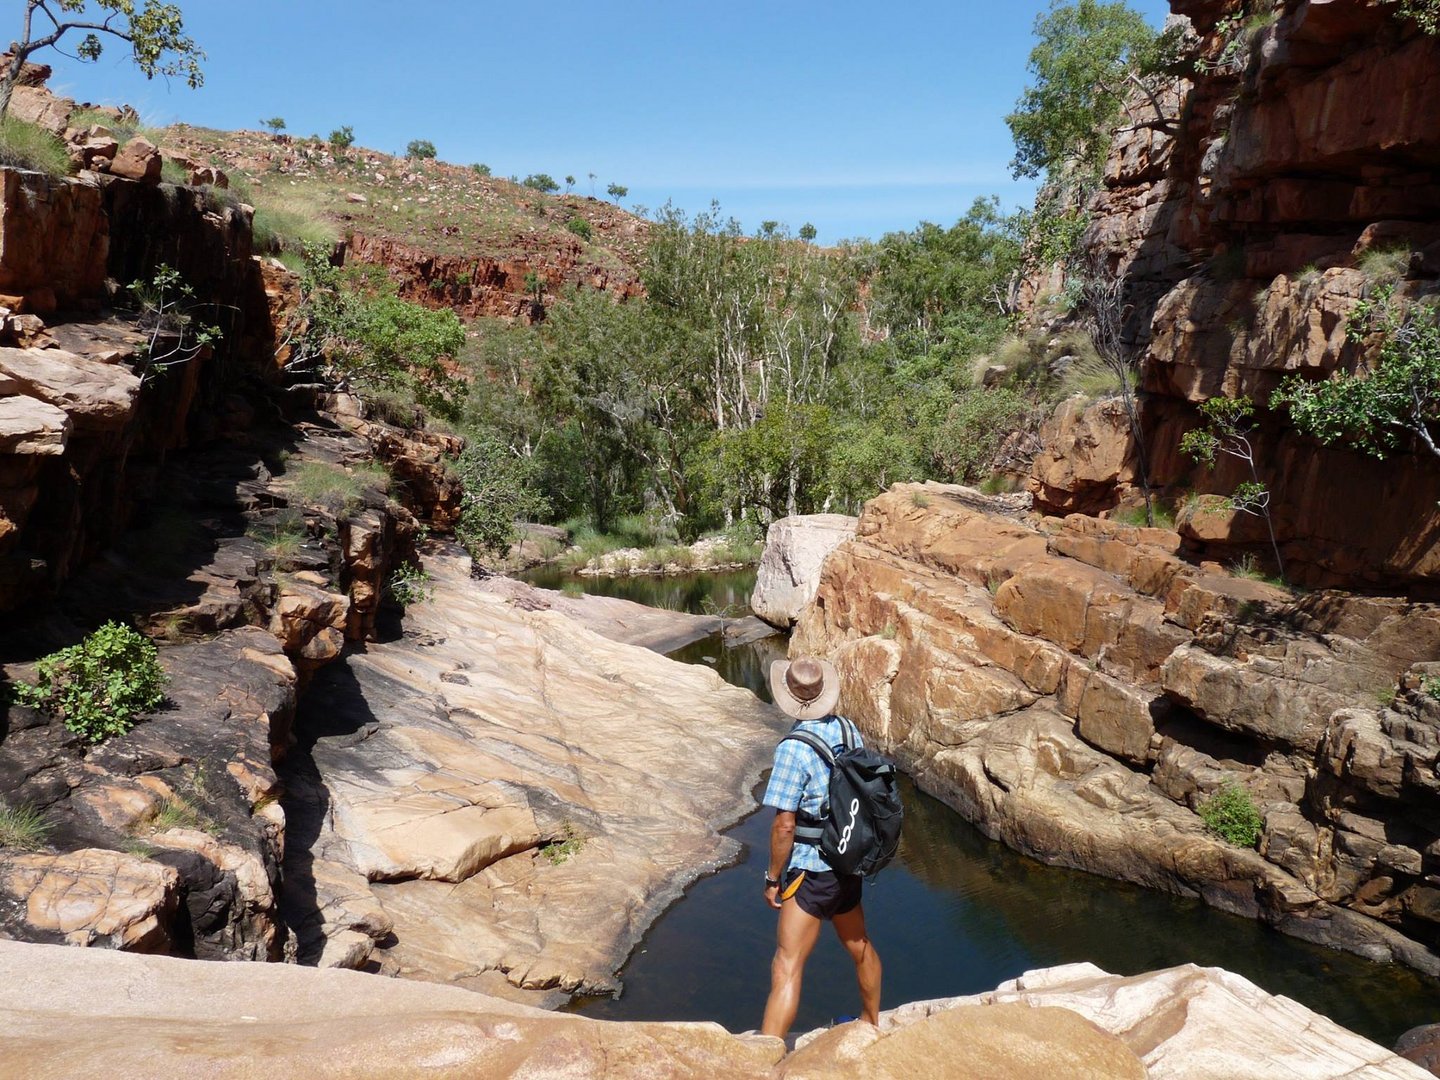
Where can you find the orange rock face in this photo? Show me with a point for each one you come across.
(1246, 237)
(1077, 689)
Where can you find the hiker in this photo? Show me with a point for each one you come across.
(798, 882)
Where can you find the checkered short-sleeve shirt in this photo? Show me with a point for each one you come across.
(799, 782)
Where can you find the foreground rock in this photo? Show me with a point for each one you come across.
(789, 570)
(506, 800)
(1077, 690)
(83, 1013)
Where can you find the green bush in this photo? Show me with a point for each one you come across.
(542, 182)
(22, 827)
(1230, 814)
(99, 687)
(579, 226)
(410, 584)
(422, 149)
(28, 146)
(342, 138)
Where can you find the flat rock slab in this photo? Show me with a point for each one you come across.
(88, 1012)
(31, 426)
(609, 616)
(521, 796)
(96, 396)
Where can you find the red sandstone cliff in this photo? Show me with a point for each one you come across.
(1242, 241)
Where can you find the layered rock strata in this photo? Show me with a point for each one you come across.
(1077, 690)
(505, 800)
(1293, 176)
(68, 1013)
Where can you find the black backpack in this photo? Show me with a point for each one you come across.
(858, 829)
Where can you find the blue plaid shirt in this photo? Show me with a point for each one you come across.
(800, 781)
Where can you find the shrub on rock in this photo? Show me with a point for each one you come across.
(99, 687)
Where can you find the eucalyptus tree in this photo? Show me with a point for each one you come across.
(155, 34)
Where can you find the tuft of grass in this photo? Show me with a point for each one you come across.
(122, 130)
(1431, 685)
(919, 499)
(1385, 696)
(888, 632)
(29, 146)
(1000, 484)
(1248, 567)
(559, 851)
(22, 827)
(283, 535)
(1385, 265)
(172, 172)
(1135, 515)
(1230, 814)
(282, 229)
(338, 490)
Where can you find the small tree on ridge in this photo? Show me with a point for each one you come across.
(156, 36)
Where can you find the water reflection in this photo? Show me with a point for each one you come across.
(957, 913)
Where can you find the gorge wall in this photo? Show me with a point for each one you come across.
(1299, 172)
(1077, 690)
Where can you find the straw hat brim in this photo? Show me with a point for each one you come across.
(790, 705)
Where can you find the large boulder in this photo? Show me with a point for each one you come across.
(139, 160)
(795, 549)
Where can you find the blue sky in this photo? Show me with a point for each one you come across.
(858, 117)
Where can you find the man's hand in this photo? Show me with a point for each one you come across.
(772, 896)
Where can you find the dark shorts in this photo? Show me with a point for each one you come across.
(825, 894)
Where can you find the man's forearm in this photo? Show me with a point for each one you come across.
(782, 843)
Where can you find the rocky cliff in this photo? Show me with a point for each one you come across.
(1297, 172)
(1077, 689)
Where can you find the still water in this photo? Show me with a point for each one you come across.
(955, 913)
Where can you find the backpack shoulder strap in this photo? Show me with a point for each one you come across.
(853, 741)
(819, 745)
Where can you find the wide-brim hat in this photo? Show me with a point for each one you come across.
(806, 689)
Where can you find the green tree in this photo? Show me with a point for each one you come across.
(353, 330)
(342, 138)
(1229, 424)
(1089, 59)
(422, 149)
(495, 494)
(480, 169)
(947, 290)
(1424, 13)
(617, 191)
(569, 183)
(276, 124)
(155, 33)
(1379, 409)
(808, 233)
(542, 182)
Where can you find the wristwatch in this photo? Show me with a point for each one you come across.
(771, 882)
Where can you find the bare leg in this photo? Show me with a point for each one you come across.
(851, 929)
(795, 938)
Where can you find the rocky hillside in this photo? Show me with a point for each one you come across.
(1298, 175)
(447, 234)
